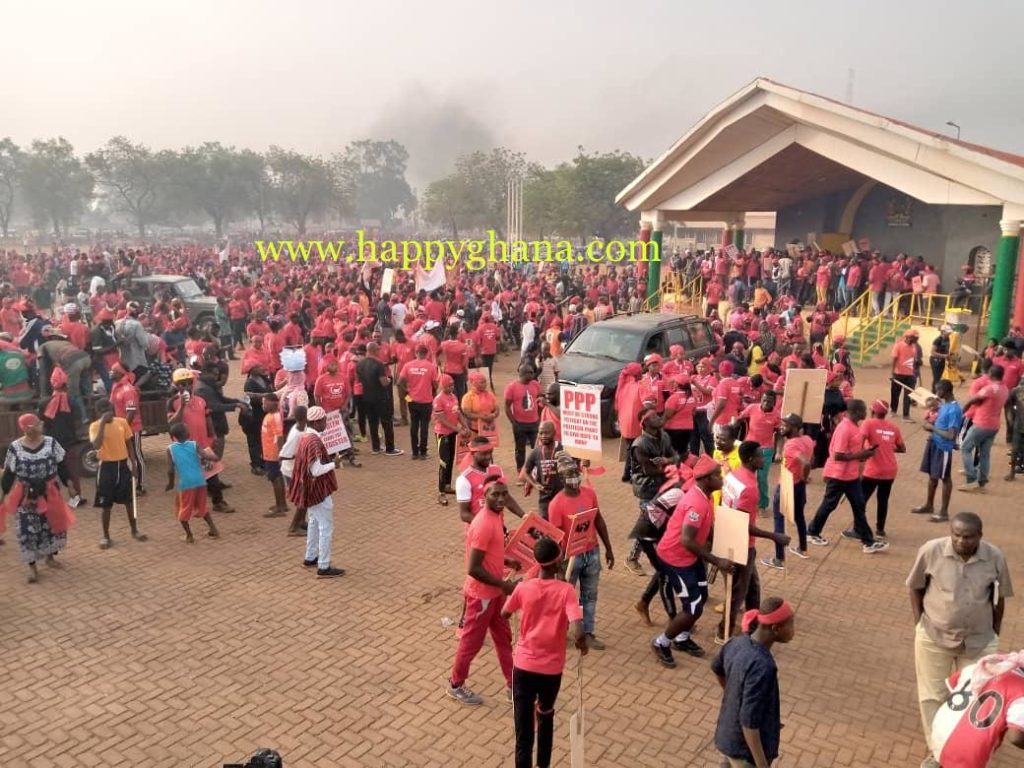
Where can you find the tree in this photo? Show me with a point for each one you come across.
(11, 161)
(303, 186)
(134, 178)
(373, 173)
(256, 185)
(57, 185)
(590, 209)
(443, 204)
(211, 179)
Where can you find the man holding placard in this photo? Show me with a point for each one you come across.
(570, 510)
(739, 491)
(682, 552)
(798, 461)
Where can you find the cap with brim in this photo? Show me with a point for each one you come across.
(705, 466)
(182, 374)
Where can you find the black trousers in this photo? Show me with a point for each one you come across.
(938, 367)
(445, 461)
(896, 390)
(525, 435)
(460, 384)
(680, 440)
(853, 490)
(701, 434)
(659, 583)
(255, 446)
(489, 362)
(533, 697)
(237, 333)
(360, 408)
(380, 415)
(884, 489)
(419, 424)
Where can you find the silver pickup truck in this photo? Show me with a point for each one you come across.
(200, 307)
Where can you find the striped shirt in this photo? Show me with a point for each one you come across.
(309, 488)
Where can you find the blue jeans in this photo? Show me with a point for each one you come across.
(586, 569)
(762, 478)
(980, 439)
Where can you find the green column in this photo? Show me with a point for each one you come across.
(738, 239)
(654, 267)
(1002, 283)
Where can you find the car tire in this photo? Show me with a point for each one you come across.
(85, 459)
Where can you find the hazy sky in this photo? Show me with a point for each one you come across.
(445, 76)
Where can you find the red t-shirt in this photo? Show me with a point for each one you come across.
(762, 425)
(989, 412)
(455, 354)
(846, 439)
(684, 406)
(693, 510)
(194, 417)
(732, 390)
(791, 449)
(522, 398)
(903, 356)
(739, 491)
(419, 377)
(331, 392)
(563, 506)
(486, 533)
(547, 607)
(448, 406)
(886, 437)
(124, 396)
(488, 338)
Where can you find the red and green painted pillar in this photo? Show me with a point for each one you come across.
(653, 236)
(737, 238)
(1007, 252)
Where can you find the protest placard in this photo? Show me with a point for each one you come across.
(731, 534)
(582, 534)
(804, 393)
(581, 420)
(388, 281)
(786, 501)
(531, 530)
(335, 437)
(732, 251)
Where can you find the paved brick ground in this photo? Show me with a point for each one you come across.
(161, 654)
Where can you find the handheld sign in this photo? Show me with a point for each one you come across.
(388, 280)
(583, 534)
(804, 393)
(581, 420)
(731, 535)
(732, 251)
(488, 429)
(335, 437)
(530, 531)
(786, 492)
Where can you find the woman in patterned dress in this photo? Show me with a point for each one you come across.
(30, 493)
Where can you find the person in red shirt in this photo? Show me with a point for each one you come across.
(485, 591)
(488, 335)
(798, 458)
(125, 400)
(549, 609)
(763, 421)
(417, 384)
(740, 491)
(192, 411)
(906, 364)
(331, 390)
(842, 478)
(448, 424)
(455, 355)
(880, 470)
(682, 552)
(728, 396)
(573, 499)
(71, 325)
(679, 409)
(523, 411)
(985, 421)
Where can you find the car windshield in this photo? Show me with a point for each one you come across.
(616, 344)
(187, 289)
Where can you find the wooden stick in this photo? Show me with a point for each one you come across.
(135, 502)
(728, 602)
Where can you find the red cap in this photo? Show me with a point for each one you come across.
(705, 466)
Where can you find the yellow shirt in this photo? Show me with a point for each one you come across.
(116, 435)
(729, 462)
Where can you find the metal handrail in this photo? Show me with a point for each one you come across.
(858, 309)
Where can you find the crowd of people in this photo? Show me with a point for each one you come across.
(333, 363)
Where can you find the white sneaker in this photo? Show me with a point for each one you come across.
(878, 546)
(75, 501)
(799, 553)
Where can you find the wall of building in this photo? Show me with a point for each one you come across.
(943, 234)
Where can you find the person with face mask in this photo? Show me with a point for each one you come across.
(33, 464)
(585, 568)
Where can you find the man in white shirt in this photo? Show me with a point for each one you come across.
(529, 333)
(287, 458)
(398, 313)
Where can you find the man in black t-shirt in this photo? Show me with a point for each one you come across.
(378, 401)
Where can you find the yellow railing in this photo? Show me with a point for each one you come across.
(858, 309)
(688, 295)
(909, 308)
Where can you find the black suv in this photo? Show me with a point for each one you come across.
(598, 355)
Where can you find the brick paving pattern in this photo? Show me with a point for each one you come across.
(163, 654)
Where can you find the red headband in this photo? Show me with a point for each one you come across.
(779, 615)
(480, 447)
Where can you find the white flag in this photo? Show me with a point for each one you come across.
(432, 280)
(224, 253)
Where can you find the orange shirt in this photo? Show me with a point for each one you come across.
(273, 428)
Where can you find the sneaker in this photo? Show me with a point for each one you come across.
(970, 487)
(464, 695)
(849, 533)
(394, 452)
(880, 535)
(877, 546)
(329, 573)
(309, 563)
(690, 647)
(376, 452)
(771, 562)
(924, 509)
(508, 695)
(818, 541)
(664, 654)
(75, 501)
(359, 439)
(798, 552)
(938, 519)
(593, 643)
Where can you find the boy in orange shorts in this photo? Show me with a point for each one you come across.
(185, 458)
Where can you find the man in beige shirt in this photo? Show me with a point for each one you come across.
(958, 587)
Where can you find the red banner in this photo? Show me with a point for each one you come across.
(582, 534)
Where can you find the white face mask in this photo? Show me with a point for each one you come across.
(573, 483)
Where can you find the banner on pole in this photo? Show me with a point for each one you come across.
(335, 437)
(581, 420)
